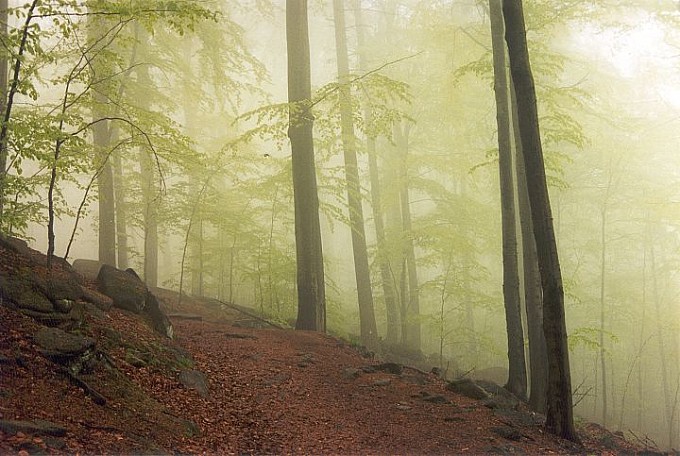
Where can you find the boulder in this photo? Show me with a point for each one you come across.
(126, 290)
(195, 380)
(100, 300)
(20, 290)
(63, 287)
(87, 268)
(40, 427)
(159, 320)
(56, 343)
(467, 388)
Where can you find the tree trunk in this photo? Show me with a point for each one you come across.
(107, 210)
(309, 252)
(150, 194)
(517, 379)
(538, 357)
(668, 399)
(559, 418)
(389, 294)
(362, 272)
(602, 352)
(411, 316)
(120, 204)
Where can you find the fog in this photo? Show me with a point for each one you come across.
(196, 143)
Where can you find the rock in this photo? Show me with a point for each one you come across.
(65, 287)
(434, 398)
(58, 343)
(381, 382)
(498, 375)
(127, 291)
(63, 305)
(74, 317)
(351, 373)
(467, 388)
(15, 244)
(195, 380)
(392, 368)
(100, 300)
(88, 268)
(161, 323)
(507, 432)
(22, 291)
(41, 427)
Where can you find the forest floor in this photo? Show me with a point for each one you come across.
(266, 391)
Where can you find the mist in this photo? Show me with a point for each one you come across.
(177, 116)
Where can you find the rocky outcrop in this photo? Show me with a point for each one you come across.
(160, 321)
(89, 269)
(59, 344)
(39, 427)
(126, 290)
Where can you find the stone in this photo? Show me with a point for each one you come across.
(63, 305)
(40, 427)
(58, 343)
(100, 300)
(126, 291)
(391, 368)
(195, 380)
(160, 322)
(382, 382)
(89, 269)
(507, 432)
(351, 373)
(65, 287)
(467, 388)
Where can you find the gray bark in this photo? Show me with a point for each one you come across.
(309, 253)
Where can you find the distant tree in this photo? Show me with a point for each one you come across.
(101, 81)
(362, 272)
(410, 293)
(559, 417)
(310, 269)
(389, 293)
(517, 379)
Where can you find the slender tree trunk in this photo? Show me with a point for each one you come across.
(389, 295)
(120, 205)
(602, 351)
(668, 397)
(538, 357)
(196, 256)
(309, 252)
(8, 102)
(362, 272)
(107, 217)
(411, 316)
(517, 379)
(101, 137)
(559, 418)
(150, 194)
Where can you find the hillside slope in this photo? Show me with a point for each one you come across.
(223, 389)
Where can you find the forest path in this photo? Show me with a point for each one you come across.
(283, 391)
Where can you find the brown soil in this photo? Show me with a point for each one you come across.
(272, 391)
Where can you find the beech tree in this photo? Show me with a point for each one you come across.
(517, 379)
(354, 201)
(559, 416)
(310, 269)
